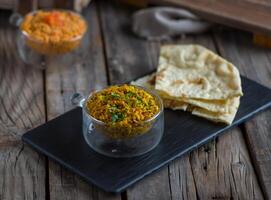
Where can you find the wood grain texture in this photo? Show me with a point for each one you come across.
(80, 71)
(255, 64)
(185, 178)
(226, 167)
(228, 12)
(183, 181)
(128, 57)
(126, 54)
(216, 162)
(22, 170)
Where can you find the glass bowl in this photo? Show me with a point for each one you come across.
(52, 47)
(101, 138)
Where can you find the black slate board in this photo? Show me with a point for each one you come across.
(61, 140)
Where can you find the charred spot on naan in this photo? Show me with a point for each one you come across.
(152, 80)
(161, 74)
(200, 81)
(177, 82)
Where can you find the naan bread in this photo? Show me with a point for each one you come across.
(194, 72)
(175, 105)
(149, 82)
(199, 107)
(226, 118)
(218, 106)
(192, 78)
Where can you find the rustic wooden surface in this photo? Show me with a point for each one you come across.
(22, 171)
(234, 166)
(81, 71)
(257, 66)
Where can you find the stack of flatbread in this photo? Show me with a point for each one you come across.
(193, 78)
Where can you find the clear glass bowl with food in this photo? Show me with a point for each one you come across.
(123, 120)
(52, 32)
(49, 33)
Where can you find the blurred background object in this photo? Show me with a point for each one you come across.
(227, 12)
(34, 50)
(248, 15)
(25, 6)
(262, 40)
(163, 22)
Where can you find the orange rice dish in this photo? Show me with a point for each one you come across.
(53, 32)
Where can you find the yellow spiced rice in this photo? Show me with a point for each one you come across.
(124, 109)
(53, 32)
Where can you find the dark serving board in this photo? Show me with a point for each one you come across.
(61, 140)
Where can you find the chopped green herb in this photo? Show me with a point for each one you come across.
(114, 95)
(117, 117)
(129, 94)
(114, 117)
(138, 100)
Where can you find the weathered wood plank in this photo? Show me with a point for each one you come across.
(22, 170)
(226, 167)
(217, 162)
(123, 49)
(255, 63)
(80, 71)
(129, 57)
(185, 178)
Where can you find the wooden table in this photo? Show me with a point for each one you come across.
(237, 165)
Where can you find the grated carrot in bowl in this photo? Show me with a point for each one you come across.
(53, 32)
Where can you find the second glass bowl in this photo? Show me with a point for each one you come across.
(49, 46)
(34, 51)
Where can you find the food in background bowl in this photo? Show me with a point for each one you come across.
(53, 32)
(125, 110)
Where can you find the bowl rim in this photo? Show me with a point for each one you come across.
(54, 9)
(151, 92)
